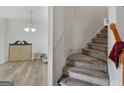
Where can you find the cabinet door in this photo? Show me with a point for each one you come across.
(20, 52)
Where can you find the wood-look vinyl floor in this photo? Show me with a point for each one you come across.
(25, 73)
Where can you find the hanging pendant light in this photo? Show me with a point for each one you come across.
(30, 27)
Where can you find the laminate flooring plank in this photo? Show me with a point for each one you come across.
(25, 73)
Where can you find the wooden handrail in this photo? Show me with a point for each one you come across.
(115, 32)
(117, 38)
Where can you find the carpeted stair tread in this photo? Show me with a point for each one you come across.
(67, 81)
(97, 44)
(102, 35)
(95, 51)
(100, 40)
(84, 58)
(95, 54)
(99, 47)
(95, 73)
(91, 76)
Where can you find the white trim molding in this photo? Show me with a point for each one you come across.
(50, 45)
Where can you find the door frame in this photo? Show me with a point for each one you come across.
(50, 45)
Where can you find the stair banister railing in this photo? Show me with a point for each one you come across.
(115, 32)
(117, 38)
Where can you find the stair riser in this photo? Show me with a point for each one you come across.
(101, 36)
(104, 31)
(95, 55)
(103, 49)
(88, 78)
(100, 67)
(74, 82)
(99, 41)
(62, 84)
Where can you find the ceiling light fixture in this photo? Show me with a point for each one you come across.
(30, 27)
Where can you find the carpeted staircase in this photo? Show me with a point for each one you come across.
(88, 68)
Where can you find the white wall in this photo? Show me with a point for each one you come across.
(120, 21)
(115, 15)
(12, 30)
(58, 42)
(86, 21)
(2, 40)
(113, 73)
(68, 30)
(80, 23)
(76, 24)
(39, 39)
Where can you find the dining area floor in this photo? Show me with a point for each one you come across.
(24, 73)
